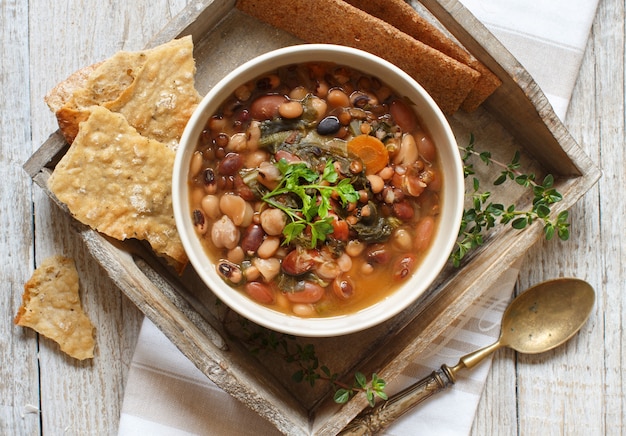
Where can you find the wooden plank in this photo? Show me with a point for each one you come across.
(64, 37)
(456, 291)
(18, 357)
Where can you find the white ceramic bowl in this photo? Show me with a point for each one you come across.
(451, 195)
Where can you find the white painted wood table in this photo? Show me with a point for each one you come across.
(577, 389)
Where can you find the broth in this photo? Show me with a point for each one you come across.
(315, 190)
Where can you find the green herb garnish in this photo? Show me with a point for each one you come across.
(484, 214)
(313, 197)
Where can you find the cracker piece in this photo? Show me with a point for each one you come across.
(154, 89)
(51, 306)
(402, 16)
(119, 183)
(336, 22)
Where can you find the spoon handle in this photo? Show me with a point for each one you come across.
(374, 420)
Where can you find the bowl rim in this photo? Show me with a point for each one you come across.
(396, 301)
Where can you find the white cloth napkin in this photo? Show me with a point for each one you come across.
(167, 395)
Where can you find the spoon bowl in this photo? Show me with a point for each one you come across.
(539, 319)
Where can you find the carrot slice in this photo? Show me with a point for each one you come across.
(371, 151)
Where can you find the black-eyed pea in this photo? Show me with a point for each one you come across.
(376, 183)
(271, 81)
(230, 272)
(200, 222)
(290, 109)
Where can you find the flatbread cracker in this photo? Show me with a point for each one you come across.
(51, 306)
(447, 80)
(402, 16)
(119, 182)
(154, 89)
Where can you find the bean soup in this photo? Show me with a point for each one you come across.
(315, 190)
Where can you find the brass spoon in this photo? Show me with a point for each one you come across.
(542, 318)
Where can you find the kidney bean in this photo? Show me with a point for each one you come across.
(423, 233)
(403, 267)
(311, 293)
(426, 148)
(377, 253)
(403, 210)
(297, 262)
(259, 292)
(343, 287)
(403, 115)
(230, 164)
(266, 106)
(252, 238)
(341, 230)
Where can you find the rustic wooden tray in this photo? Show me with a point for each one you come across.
(516, 117)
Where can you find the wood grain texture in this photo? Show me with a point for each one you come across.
(578, 389)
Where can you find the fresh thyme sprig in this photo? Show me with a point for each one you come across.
(483, 214)
(307, 364)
